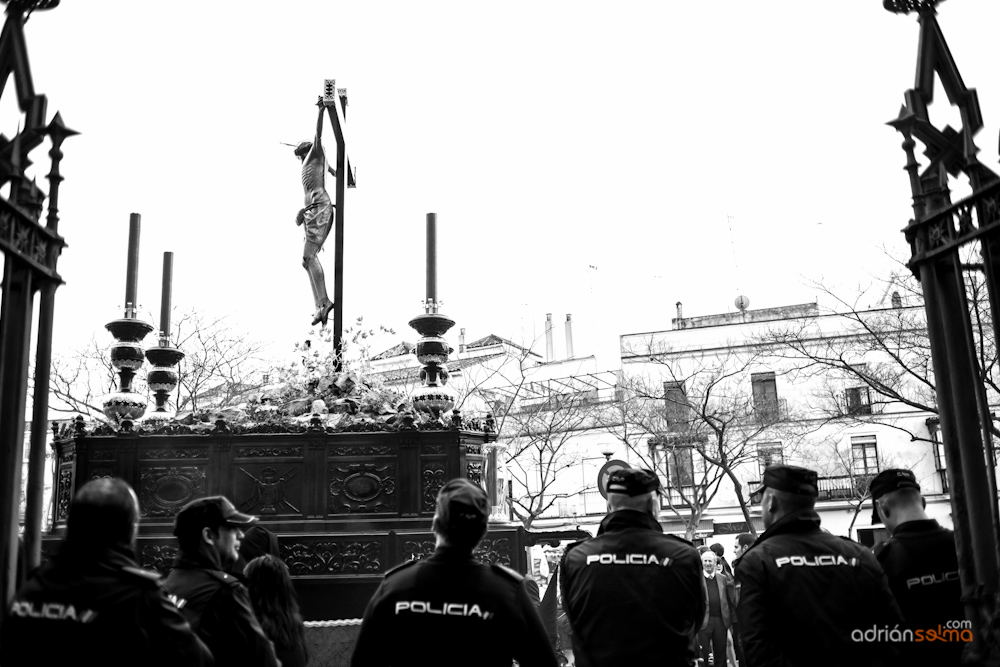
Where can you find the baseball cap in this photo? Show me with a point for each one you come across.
(209, 512)
(461, 501)
(633, 482)
(888, 481)
(791, 479)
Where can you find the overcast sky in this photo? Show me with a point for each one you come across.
(689, 151)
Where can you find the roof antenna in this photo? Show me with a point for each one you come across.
(741, 301)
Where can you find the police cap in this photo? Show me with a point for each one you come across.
(791, 479)
(633, 482)
(210, 512)
(888, 481)
(461, 501)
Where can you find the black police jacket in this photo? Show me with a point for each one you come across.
(451, 610)
(218, 608)
(633, 595)
(922, 566)
(807, 597)
(100, 609)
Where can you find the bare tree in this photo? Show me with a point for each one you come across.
(77, 381)
(221, 366)
(539, 435)
(221, 362)
(696, 419)
(879, 361)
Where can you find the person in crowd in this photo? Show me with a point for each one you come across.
(718, 616)
(720, 559)
(208, 531)
(807, 597)
(482, 613)
(633, 595)
(743, 543)
(921, 563)
(257, 541)
(91, 604)
(277, 609)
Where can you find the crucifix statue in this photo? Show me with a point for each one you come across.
(316, 217)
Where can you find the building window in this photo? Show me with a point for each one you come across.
(677, 407)
(769, 453)
(680, 467)
(864, 455)
(940, 460)
(765, 396)
(858, 400)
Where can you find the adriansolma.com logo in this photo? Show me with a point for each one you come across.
(952, 631)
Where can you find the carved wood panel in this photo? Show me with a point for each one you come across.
(362, 488)
(329, 555)
(163, 490)
(64, 493)
(173, 453)
(268, 488)
(431, 481)
(158, 556)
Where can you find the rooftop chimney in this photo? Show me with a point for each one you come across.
(461, 340)
(679, 322)
(569, 336)
(550, 352)
(897, 301)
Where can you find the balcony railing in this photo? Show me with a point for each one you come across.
(770, 410)
(840, 487)
(588, 503)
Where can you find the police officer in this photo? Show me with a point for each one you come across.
(633, 596)
(91, 604)
(920, 562)
(807, 597)
(450, 609)
(217, 605)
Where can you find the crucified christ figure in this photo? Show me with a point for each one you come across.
(316, 216)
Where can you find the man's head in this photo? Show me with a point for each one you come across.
(302, 149)
(786, 489)
(718, 550)
(211, 525)
(634, 489)
(896, 498)
(743, 542)
(708, 560)
(104, 513)
(462, 513)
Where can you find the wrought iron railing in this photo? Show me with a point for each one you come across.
(839, 487)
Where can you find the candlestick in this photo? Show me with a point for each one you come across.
(168, 280)
(431, 262)
(132, 271)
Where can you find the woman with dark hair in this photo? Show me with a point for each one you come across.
(277, 608)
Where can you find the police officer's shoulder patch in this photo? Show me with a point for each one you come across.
(225, 578)
(507, 572)
(882, 548)
(151, 579)
(401, 567)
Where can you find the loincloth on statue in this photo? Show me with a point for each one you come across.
(317, 219)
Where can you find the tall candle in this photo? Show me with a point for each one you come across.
(168, 280)
(432, 257)
(132, 272)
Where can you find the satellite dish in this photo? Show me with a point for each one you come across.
(742, 303)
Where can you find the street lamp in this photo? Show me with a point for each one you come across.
(607, 452)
